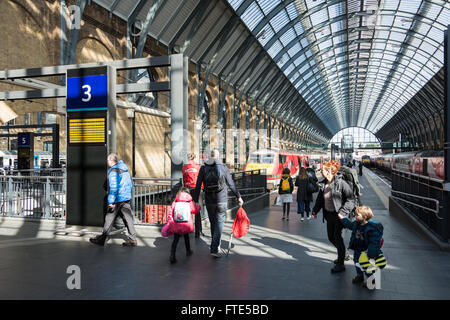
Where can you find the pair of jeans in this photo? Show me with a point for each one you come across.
(303, 206)
(216, 214)
(334, 231)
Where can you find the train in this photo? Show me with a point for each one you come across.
(426, 163)
(274, 161)
(42, 159)
(365, 160)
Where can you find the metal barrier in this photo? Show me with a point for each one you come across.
(40, 197)
(151, 199)
(425, 198)
(28, 194)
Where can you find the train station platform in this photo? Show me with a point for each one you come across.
(276, 260)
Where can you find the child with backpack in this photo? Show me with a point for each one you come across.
(285, 189)
(366, 239)
(179, 221)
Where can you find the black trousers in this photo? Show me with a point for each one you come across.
(176, 238)
(334, 231)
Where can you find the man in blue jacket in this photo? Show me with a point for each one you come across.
(120, 186)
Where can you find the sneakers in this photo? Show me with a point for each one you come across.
(283, 218)
(100, 241)
(172, 258)
(338, 268)
(130, 243)
(216, 254)
(189, 253)
(358, 279)
(309, 218)
(302, 219)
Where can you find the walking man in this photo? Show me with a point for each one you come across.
(119, 201)
(215, 177)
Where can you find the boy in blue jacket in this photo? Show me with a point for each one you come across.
(366, 235)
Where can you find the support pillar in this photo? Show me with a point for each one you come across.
(179, 113)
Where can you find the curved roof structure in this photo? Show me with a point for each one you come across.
(355, 62)
(323, 65)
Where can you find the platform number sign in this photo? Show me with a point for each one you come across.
(24, 140)
(87, 89)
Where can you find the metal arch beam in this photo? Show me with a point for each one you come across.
(248, 70)
(256, 76)
(238, 54)
(172, 17)
(113, 7)
(222, 37)
(421, 103)
(281, 94)
(151, 14)
(73, 37)
(254, 82)
(283, 99)
(274, 81)
(417, 114)
(244, 5)
(278, 84)
(196, 13)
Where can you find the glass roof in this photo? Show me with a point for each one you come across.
(355, 62)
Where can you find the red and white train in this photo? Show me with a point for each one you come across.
(426, 163)
(274, 161)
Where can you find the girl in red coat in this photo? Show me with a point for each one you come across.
(179, 221)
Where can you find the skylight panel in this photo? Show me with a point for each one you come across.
(336, 10)
(288, 36)
(319, 17)
(325, 44)
(292, 10)
(410, 6)
(299, 28)
(275, 49)
(313, 3)
(390, 5)
(235, 3)
(432, 11)
(252, 16)
(268, 5)
(387, 20)
(295, 49)
(279, 21)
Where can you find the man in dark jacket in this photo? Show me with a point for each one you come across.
(216, 197)
(335, 196)
(119, 201)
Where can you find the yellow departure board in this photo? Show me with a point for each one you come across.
(87, 130)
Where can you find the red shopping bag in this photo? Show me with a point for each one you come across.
(241, 223)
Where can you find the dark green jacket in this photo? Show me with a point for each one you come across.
(372, 235)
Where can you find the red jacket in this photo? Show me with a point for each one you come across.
(180, 227)
(190, 173)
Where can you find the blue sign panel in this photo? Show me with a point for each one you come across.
(87, 93)
(24, 140)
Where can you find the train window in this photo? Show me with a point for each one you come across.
(267, 158)
(281, 159)
(254, 158)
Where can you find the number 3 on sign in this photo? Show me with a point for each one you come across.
(87, 93)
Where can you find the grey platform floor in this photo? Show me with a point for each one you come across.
(276, 260)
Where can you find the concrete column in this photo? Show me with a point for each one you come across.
(179, 113)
